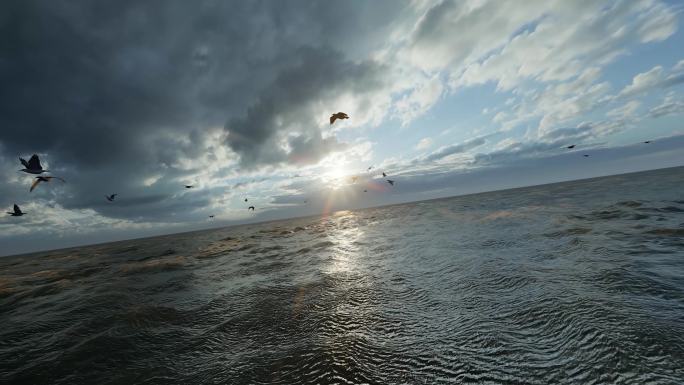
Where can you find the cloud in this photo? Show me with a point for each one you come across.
(669, 106)
(453, 149)
(629, 109)
(424, 144)
(141, 98)
(654, 78)
(561, 39)
(134, 98)
(285, 123)
(420, 99)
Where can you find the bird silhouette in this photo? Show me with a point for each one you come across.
(365, 190)
(339, 115)
(250, 208)
(189, 186)
(586, 156)
(111, 197)
(246, 199)
(390, 182)
(39, 179)
(369, 168)
(384, 175)
(572, 146)
(647, 142)
(32, 166)
(211, 216)
(17, 211)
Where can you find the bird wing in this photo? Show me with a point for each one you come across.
(35, 183)
(34, 163)
(332, 118)
(17, 210)
(24, 162)
(114, 195)
(54, 177)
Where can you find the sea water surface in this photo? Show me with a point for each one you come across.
(572, 283)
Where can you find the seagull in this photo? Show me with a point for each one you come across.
(189, 186)
(111, 197)
(647, 142)
(17, 211)
(354, 178)
(211, 216)
(339, 115)
(365, 190)
(586, 156)
(250, 208)
(384, 175)
(570, 147)
(390, 182)
(369, 168)
(246, 199)
(43, 179)
(32, 166)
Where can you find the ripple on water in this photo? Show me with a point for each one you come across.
(571, 283)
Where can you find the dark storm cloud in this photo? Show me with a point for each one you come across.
(289, 105)
(115, 92)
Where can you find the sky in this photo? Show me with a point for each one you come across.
(140, 98)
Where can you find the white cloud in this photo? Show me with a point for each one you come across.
(644, 81)
(420, 99)
(629, 109)
(424, 144)
(656, 77)
(571, 36)
(669, 106)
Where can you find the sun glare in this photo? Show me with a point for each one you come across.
(336, 177)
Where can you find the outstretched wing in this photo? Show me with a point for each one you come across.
(17, 210)
(332, 118)
(34, 163)
(24, 162)
(114, 195)
(34, 184)
(56, 177)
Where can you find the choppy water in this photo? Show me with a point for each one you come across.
(579, 282)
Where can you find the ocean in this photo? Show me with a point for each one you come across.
(579, 282)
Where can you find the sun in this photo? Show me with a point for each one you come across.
(336, 176)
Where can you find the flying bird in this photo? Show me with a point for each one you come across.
(339, 115)
(246, 199)
(111, 197)
(365, 190)
(570, 147)
(586, 156)
(211, 216)
(43, 179)
(647, 142)
(250, 208)
(17, 211)
(354, 179)
(369, 168)
(390, 182)
(384, 175)
(189, 186)
(32, 166)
